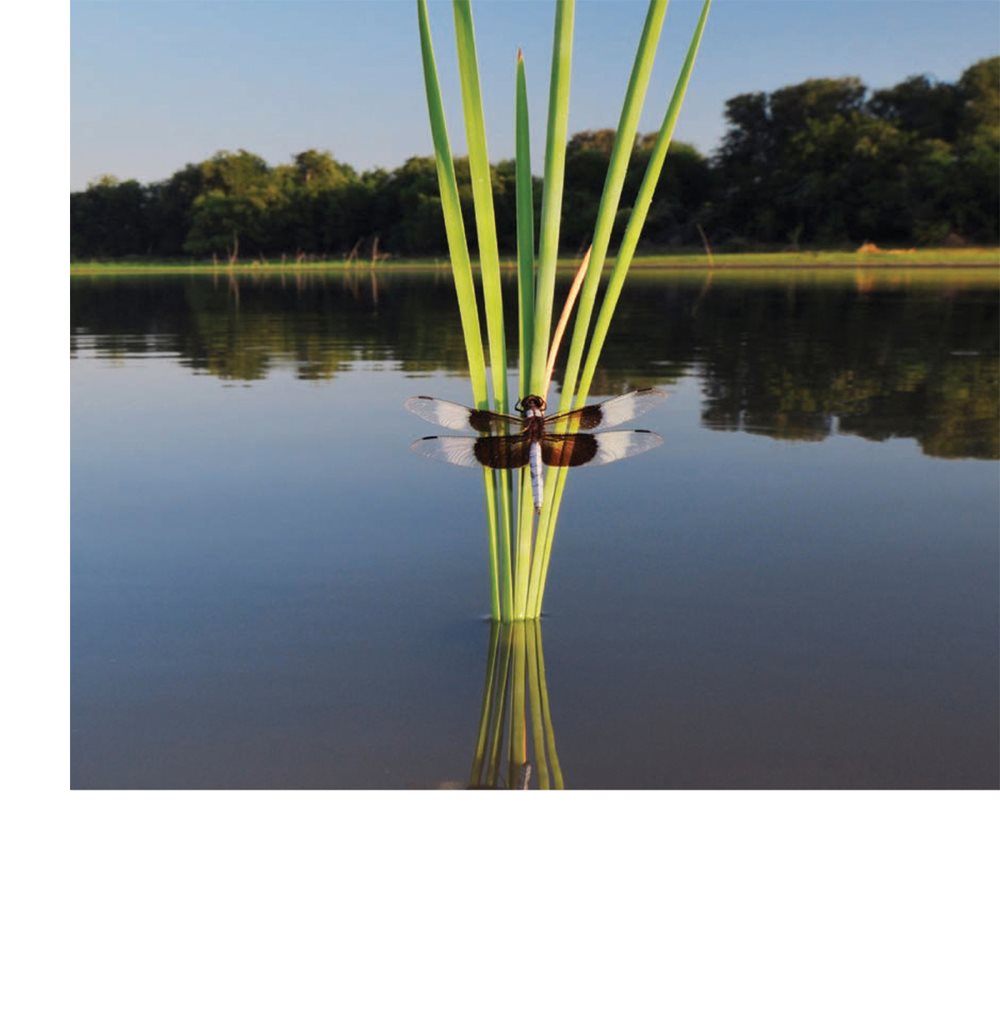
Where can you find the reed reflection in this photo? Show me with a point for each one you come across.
(515, 744)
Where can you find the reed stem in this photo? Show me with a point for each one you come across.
(489, 269)
(525, 204)
(552, 188)
(519, 563)
(465, 289)
(553, 497)
(567, 310)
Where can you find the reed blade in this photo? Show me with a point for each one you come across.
(465, 290)
(493, 537)
(489, 270)
(526, 322)
(525, 203)
(482, 196)
(614, 182)
(553, 497)
(640, 209)
(557, 336)
(525, 541)
(451, 208)
(552, 190)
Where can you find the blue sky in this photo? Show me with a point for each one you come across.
(155, 85)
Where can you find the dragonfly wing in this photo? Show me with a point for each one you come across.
(503, 451)
(495, 451)
(456, 416)
(452, 449)
(577, 449)
(569, 451)
(607, 414)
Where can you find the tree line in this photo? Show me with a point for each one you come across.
(825, 163)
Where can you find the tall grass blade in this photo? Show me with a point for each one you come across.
(525, 204)
(557, 336)
(452, 210)
(623, 260)
(465, 290)
(525, 539)
(552, 191)
(482, 195)
(517, 589)
(641, 207)
(614, 182)
(526, 320)
(489, 266)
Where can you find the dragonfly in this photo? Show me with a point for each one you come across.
(533, 438)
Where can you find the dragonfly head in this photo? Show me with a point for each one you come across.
(530, 404)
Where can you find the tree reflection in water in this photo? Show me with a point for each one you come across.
(800, 356)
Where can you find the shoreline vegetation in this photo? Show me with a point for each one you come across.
(865, 257)
(815, 168)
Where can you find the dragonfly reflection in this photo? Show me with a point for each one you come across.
(533, 438)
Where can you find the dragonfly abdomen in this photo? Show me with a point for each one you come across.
(534, 429)
(535, 462)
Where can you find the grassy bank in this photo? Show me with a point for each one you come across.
(971, 257)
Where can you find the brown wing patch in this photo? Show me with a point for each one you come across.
(491, 421)
(502, 451)
(568, 451)
(581, 419)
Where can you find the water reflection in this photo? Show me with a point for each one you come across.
(515, 743)
(259, 602)
(880, 356)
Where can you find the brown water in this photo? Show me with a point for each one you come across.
(798, 590)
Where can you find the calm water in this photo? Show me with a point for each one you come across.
(798, 590)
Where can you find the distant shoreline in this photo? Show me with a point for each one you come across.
(986, 258)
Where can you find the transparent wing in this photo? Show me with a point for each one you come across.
(497, 451)
(456, 416)
(452, 449)
(571, 451)
(607, 414)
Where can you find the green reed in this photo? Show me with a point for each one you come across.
(519, 557)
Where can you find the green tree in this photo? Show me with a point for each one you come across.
(977, 198)
(110, 219)
(239, 193)
(817, 163)
(920, 105)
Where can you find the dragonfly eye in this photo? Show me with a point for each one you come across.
(532, 403)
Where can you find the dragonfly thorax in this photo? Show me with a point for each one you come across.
(531, 406)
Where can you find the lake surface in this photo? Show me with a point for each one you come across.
(798, 590)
